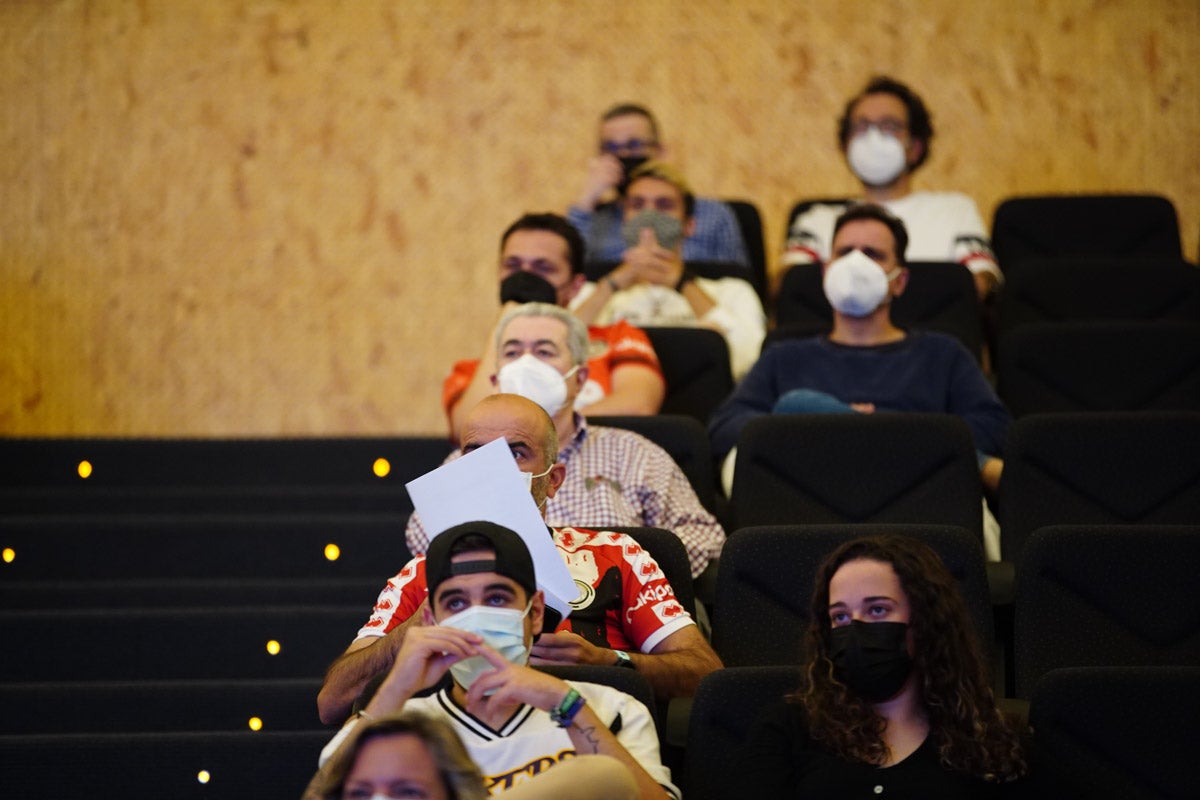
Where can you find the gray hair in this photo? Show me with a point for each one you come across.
(577, 334)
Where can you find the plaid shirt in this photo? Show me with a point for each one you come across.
(717, 236)
(618, 477)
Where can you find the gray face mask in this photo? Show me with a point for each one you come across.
(668, 230)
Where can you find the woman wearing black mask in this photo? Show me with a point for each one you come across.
(894, 700)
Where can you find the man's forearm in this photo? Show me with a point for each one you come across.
(590, 309)
(636, 389)
(591, 737)
(700, 300)
(350, 673)
(678, 673)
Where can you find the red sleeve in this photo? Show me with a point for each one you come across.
(399, 600)
(652, 612)
(629, 345)
(456, 383)
(648, 611)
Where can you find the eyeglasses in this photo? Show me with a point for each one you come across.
(875, 254)
(664, 204)
(629, 146)
(888, 125)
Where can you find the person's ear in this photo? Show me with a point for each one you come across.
(689, 227)
(555, 478)
(899, 283)
(537, 612)
(572, 288)
(916, 149)
(581, 376)
(427, 612)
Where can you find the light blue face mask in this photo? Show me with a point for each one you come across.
(502, 629)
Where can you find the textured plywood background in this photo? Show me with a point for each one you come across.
(262, 217)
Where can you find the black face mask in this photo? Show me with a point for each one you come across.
(525, 287)
(629, 164)
(871, 658)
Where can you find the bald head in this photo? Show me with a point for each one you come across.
(530, 434)
(526, 427)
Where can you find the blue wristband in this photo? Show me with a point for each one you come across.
(564, 715)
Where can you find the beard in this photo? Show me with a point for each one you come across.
(539, 489)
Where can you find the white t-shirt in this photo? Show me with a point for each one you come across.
(738, 314)
(942, 226)
(530, 742)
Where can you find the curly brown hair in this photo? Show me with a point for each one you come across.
(968, 729)
(920, 124)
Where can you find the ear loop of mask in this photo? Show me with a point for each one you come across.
(530, 476)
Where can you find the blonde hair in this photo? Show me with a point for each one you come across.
(668, 174)
(460, 777)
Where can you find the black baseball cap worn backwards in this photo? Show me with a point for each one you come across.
(512, 559)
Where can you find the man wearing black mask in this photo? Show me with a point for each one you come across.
(629, 138)
(541, 260)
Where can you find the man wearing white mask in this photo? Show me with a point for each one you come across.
(885, 133)
(627, 614)
(516, 722)
(613, 476)
(867, 363)
(653, 286)
(541, 259)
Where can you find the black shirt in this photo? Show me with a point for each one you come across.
(781, 760)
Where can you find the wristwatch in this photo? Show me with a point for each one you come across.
(623, 660)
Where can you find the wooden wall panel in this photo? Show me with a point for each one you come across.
(267, 217)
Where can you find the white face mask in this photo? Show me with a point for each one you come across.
(535, 380)
(529, 476)
(876, 158)
(502, 629)
(855, 285)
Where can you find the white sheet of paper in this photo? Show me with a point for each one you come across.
(486, 484)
